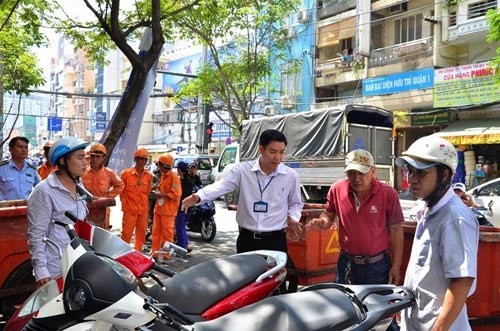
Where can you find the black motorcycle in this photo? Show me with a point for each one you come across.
(201, 220)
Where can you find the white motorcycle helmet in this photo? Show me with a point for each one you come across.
(429, 151)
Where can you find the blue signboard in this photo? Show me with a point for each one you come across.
(54, 124)
(400, 82)
(100, 126)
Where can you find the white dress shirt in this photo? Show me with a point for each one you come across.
(280, 190)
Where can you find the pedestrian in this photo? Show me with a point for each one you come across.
(442, 269)
(369, 218)
(182, 216)
(134, 198)
(101, 181)
(49, 201)
(460, 191)
(18, 175)
(168, 197)
(270, 199)
(194, 176)
(46, 167)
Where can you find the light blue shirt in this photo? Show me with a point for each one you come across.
(280, 190)
(49, 201)
(445, 246)
(17, 184)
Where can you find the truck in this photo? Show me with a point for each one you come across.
(318, 141)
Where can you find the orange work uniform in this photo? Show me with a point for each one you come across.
(103, 183)
(135, 205)
(44, 171)
(165, 210)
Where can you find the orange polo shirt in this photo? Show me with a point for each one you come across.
(134, 197)
(103, 183)
(44, 171)
(170, 187)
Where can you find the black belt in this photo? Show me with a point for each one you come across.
(263, 235)
(364, 259)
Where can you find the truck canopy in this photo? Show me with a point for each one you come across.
(313, 134)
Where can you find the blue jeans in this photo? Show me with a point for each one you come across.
(180, 229)
(360, 274)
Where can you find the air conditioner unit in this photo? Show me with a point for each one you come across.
(410, 48)
(303, 16)
(287, 102)
(270, 110)
(402, 7)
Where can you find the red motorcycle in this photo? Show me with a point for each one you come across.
(220, 285)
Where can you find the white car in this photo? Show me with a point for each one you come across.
(485, 193)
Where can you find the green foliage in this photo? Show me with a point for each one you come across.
(20, 32)
(493, 17)
(236, 73)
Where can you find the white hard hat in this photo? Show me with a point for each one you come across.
(429, 151)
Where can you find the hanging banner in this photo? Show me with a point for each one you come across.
(470, 84)
(123, 153)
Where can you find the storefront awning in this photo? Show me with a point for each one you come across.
(474, 131)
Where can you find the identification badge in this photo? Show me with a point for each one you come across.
(260, 207)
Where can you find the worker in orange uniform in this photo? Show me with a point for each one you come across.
(138, 183)
(46, 167)
(168, 197)
(101, 181)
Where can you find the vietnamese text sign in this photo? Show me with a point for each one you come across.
(54, 124)
(400, 82)
(465, 85)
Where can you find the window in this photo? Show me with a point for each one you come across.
(408, 29)
(290, 78)
(453, 18)
(490, 190)
(480, 8)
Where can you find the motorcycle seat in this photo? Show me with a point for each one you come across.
(326, 309)
(194, 290)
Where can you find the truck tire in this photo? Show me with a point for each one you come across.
(231, 198)
(21, 276)
(208, 229)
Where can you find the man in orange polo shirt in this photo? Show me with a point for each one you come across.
(101, 181)
(46, 167)
(138, 182)
(168, 197)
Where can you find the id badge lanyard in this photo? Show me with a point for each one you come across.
(261, 206)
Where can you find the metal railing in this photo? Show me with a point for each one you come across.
(393, 54)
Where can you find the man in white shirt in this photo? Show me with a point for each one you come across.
(269, 201)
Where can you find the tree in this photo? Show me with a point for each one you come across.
(494, 36)
(117, 25)
(20, 32)
(250, 33)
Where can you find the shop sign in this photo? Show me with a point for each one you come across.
(465, 85)
(400, 82)
(429, 119)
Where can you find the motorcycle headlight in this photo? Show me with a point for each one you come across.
(124, 273)
(76, 298)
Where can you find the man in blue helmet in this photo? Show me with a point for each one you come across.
(49, 201)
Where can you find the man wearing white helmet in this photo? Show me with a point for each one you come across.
(442, 269)
(49, 201)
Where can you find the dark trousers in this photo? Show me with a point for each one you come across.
(277, 242)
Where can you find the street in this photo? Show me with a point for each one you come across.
(224, 243)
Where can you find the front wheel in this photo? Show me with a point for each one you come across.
(208, 229)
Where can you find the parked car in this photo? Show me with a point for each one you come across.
(483, 194)
(205, 163)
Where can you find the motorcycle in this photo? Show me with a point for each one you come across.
(201, 220)
(88, 302)
(483, 214)
(225, 283)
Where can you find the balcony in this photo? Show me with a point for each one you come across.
(467, 23)
(328, 8)
(338, 70)
(413, 50)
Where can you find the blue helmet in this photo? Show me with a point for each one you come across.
(65, 146)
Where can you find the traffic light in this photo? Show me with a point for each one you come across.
(209, 132)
